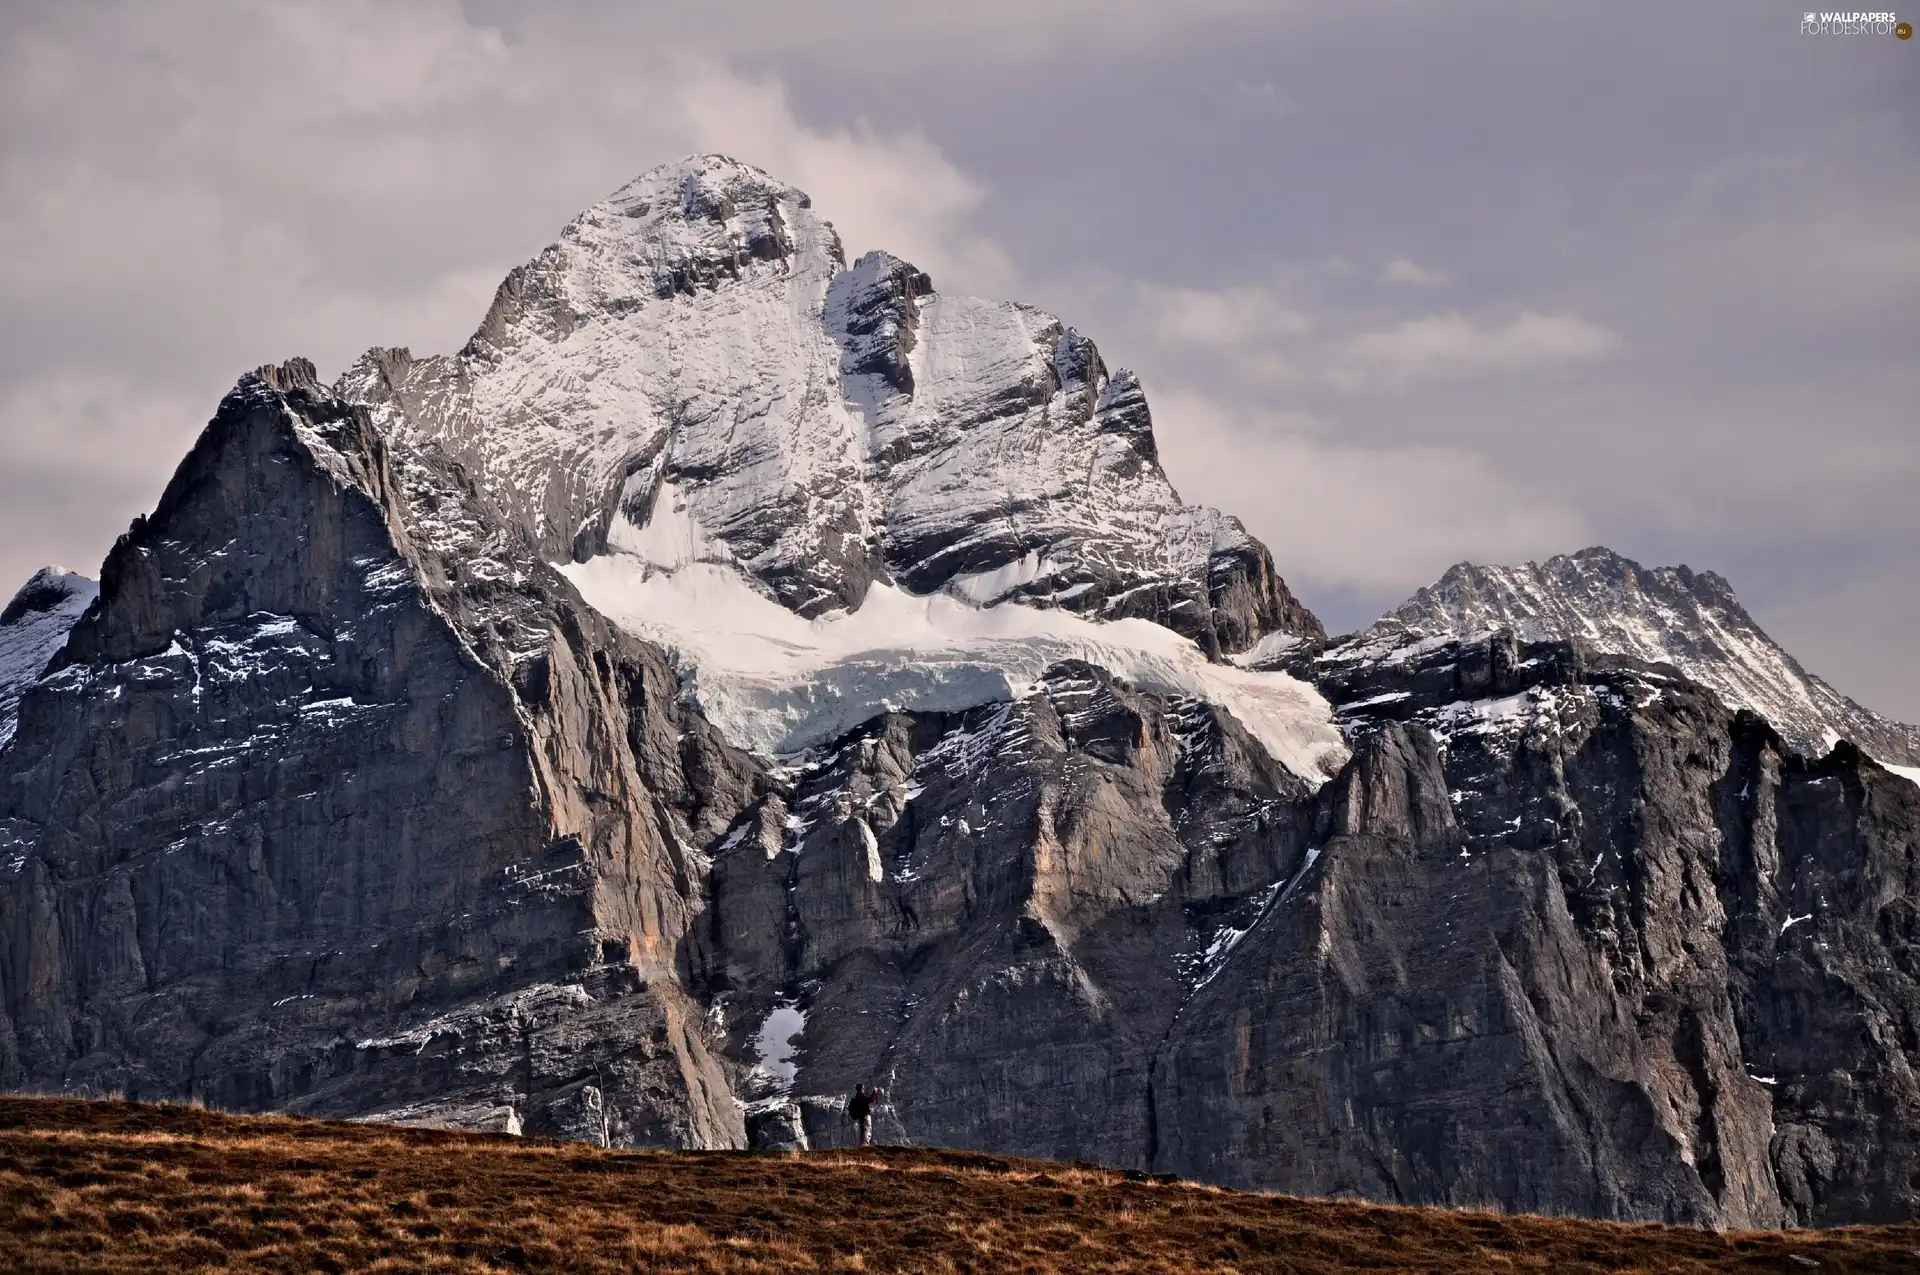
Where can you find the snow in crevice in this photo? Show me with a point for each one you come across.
(777, 683)
(1208, 963)
(983, 588)
(776, 1044)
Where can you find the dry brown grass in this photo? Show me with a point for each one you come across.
(117, 1187)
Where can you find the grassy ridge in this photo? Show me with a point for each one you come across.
(115, 1186)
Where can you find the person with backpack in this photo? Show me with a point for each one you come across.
(860, 1111)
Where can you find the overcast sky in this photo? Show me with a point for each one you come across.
(1408, 283)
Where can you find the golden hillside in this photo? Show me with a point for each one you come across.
(116, 1186)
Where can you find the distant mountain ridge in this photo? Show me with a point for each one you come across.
(1665, 615)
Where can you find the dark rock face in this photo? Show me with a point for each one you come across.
(1559, 952)
(1565, 935)
(996, 913)
(339, 801)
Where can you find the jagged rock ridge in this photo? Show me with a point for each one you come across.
(340, 800)
(1669, 615)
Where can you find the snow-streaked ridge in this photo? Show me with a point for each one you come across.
(1667, 615)
(33, 627)
(695, 347)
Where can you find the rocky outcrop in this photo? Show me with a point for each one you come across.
(340, 801)
(997, 913)
(1545, 943)
(1560, 951)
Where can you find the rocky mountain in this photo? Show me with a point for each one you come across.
(683, 704)
(341, 800)
(33, 626)
(1666, 615)
(696, 345)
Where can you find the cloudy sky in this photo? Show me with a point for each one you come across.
(1409, 283)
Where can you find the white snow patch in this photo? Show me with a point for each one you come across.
(1909, 773)
(673, 536)
(777, 683)
(30, 642)
(774, 1043)
(734, 838)
(1270, 647)
(983, 588)
(1795, 920)
(1375, 701)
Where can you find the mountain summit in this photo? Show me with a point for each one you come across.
(33, 626)
(692, 370)
(1663, 615)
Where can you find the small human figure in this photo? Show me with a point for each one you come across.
(860, 1111)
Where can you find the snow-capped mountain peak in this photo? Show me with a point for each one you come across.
(693, 402)
(1666, 615)
(33, 626)
(830, 426)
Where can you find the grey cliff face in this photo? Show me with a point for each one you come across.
(1580, 909)
(1565, 935)
(340, 799)
(998, 913)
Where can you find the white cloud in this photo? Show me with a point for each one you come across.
(190, 191)
(896, 192)
(1229, 318)
(1402, 270)
(81, 454)
(1337, 514)
(1452, 344)
(1013, 32)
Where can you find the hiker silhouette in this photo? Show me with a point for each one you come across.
(860, 1111)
